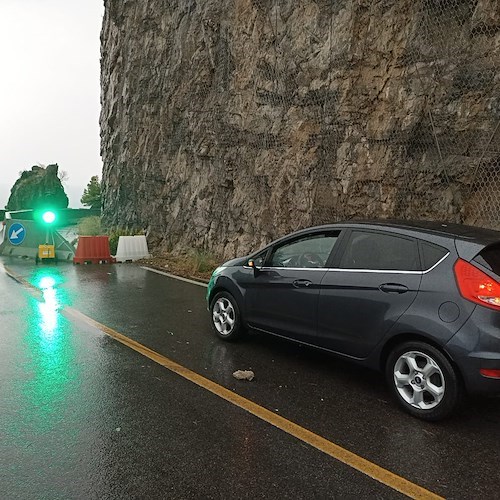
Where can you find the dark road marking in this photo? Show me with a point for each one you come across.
(335, 451)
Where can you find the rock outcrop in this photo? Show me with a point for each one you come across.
(227, 123)
(37, 188)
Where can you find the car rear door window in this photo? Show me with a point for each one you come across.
(307, 252)
(431, 255)
(380, 251)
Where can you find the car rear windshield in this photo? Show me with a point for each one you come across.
(489, 257)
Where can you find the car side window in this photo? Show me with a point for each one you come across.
(380, 251)
(431, 254)
(307, 252)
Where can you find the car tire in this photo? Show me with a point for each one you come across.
(225, 317)
(423, 381)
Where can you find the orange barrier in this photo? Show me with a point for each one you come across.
(93, 250)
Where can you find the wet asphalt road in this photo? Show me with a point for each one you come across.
(82, 416)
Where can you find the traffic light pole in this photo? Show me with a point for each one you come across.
(50, 232)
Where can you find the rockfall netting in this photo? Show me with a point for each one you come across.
(227, 123)
(401, 106)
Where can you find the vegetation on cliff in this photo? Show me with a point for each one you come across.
(36, 188)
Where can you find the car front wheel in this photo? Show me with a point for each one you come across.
(225, 315)
(423, 380)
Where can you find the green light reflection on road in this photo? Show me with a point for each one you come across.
(48, 279)
(50, 354)
(48, 308)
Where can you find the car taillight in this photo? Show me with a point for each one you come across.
(476, 286)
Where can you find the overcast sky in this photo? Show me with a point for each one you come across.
(49, 90)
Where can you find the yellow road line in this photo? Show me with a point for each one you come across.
(347, 457)
(36, 292)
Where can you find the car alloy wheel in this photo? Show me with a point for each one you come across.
(225, 316)
(419, 380)
(423, 380)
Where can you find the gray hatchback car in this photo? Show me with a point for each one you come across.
(418, 300)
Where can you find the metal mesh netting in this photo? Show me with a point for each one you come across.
(459, 127)
(409, 109)
(385, 109)
(228, 123)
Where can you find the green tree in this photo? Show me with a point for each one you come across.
(92, 193)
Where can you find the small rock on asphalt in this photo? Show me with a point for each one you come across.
(244, 374)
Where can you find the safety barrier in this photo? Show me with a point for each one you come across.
(93, 250)
(132, 248)
(22, 238)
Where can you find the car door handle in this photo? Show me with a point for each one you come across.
(393, 288)
(302, 283)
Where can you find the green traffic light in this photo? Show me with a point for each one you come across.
(49, 217)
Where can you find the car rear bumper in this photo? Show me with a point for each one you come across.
(475, 347)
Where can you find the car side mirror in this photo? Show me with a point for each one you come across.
(251, 263)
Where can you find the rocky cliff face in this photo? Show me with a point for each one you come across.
(226, 123)
(37, 188)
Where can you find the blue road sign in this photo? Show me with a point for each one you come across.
(17, 233)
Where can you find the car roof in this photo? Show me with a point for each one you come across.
(419, 227)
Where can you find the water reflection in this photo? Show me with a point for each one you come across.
(46, 282)
(48, 309)
(49, 280)
(49, 351)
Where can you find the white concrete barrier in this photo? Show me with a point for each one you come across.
(131, 248)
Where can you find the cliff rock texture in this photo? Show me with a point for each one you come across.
(226, 123)
(37, 188)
